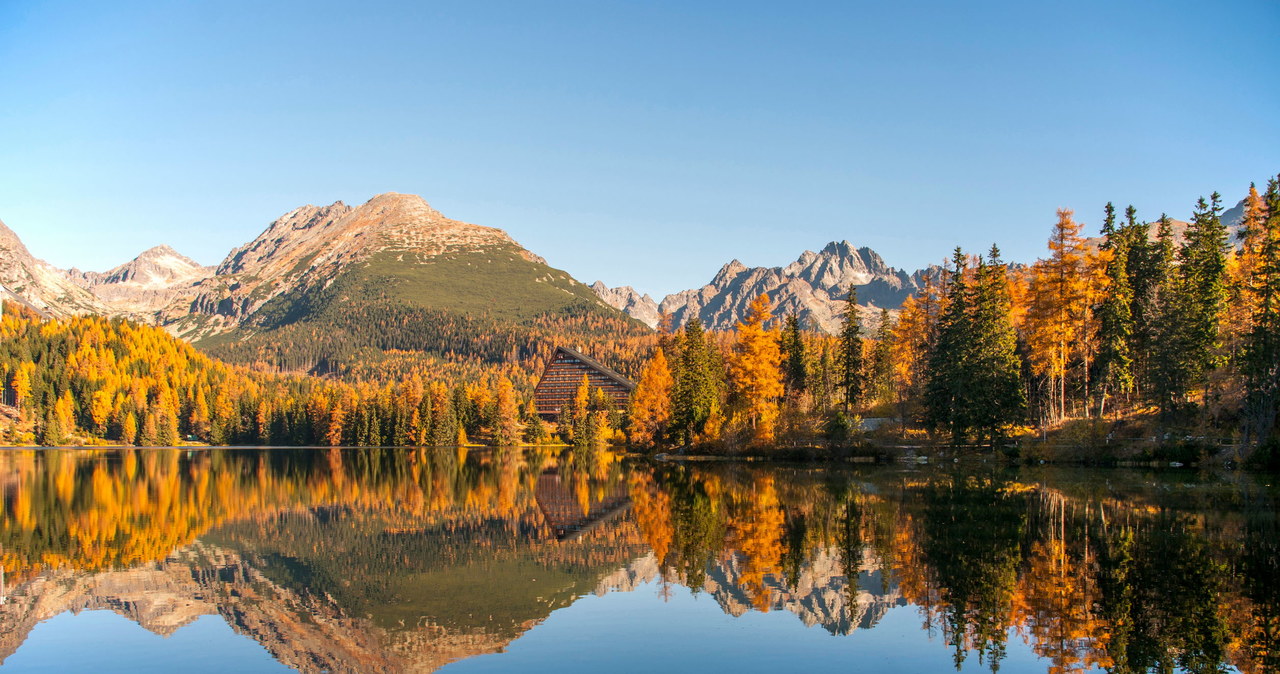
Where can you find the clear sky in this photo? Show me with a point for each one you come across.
(642, 143)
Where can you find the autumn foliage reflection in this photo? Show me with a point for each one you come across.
(94, 510)
(1124, 575)
(1089, 578)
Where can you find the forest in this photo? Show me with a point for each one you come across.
(1143, 333)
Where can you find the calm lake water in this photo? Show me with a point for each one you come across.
(359, 560)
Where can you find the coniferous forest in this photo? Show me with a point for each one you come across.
(1153, 332)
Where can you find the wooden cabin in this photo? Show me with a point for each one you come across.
(563, 375)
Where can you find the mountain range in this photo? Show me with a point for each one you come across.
(396, 253)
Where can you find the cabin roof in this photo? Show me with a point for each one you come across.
(602, 368)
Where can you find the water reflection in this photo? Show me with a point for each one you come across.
(395, 560)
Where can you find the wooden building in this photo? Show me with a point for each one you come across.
(563, 375)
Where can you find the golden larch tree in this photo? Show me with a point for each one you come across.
(755, 370)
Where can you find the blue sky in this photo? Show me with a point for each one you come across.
(642, 143)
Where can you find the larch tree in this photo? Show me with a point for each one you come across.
(755, 372)
(507, 415)
(651, 401)
(1242, 268)
(1058, 309)
(913, 338)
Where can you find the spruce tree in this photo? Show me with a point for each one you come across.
(1191, 338)
(882, 359)
(852, 370)
(1113, 368)
(696, 393)
(1261, 364)
(1154, 293)
(992, 369)
(793, 355)
(947, 383)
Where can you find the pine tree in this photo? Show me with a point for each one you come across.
(1113, 368)
(852, 370)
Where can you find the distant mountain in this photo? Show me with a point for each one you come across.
(393, 248)
(40, 283)
(815, 288)
(396, 251)
(627, 300)
(146, 285)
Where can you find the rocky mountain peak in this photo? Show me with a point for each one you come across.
(813, 287)
(157, 267)
(629, 301)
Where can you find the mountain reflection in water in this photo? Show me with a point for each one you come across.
(405, 560)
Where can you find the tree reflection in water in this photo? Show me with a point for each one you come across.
(344, 560)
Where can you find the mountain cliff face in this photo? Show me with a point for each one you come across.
(814, 288)
(627, 300)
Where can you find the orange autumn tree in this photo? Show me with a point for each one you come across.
(755, 371)
(651, 402)
(1058, 323)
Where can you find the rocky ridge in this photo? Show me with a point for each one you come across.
(155, 280)
(814, 288)
(41, 284)
(821, 595)
(627, 300)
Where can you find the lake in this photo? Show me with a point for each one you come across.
(416, 560)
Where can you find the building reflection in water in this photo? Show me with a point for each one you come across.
(404, 560)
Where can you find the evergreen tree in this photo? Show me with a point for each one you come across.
(696, 393)
(853, 374)
(947, 383)
(882, 359)
(1262, 345)
(1153, 295)
(793, 355)
(992, 368)
(1113, 368)
(1190, 338)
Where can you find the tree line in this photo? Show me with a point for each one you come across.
(1168, 323)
